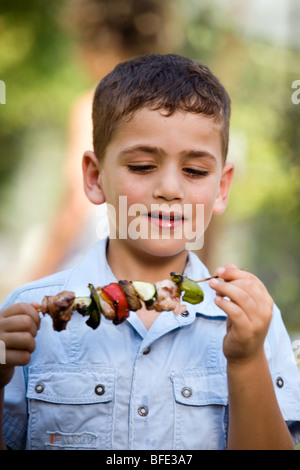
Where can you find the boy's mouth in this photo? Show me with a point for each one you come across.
(166, 219)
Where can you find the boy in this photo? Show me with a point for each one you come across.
(219, 376)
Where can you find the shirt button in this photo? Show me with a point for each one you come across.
(279, 382)
(185, 314)
(147, 350)
(186, 392)
(99, 389)
(143, 411)
(40, 387)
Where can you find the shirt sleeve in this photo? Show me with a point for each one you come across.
(285, 373)
(15, 405)
(15, 412)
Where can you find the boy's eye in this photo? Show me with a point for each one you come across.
(195, 173)
(140, 168)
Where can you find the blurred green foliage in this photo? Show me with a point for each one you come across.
(261, 229)
(41, 81)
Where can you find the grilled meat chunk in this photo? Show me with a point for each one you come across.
(167, 298)
(133, 300)
(59, 307)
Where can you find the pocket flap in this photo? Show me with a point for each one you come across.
(200, 387)
(71, 384)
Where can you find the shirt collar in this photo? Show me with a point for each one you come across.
(92, 269)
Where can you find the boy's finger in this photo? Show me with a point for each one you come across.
(230, 272)
(16, 357)
(22, 309)
(20, 341)
(246, 281)
(21, 323)
(34, 305)
(233, 311)
(234, 292)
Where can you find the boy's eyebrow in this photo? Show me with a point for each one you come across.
(141, 149)
(198, 154)
(159, 151)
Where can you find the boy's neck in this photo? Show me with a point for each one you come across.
(134, 265)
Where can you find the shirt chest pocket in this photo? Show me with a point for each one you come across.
(70, 407)
(201, 411)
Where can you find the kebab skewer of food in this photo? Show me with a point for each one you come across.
(117, 299)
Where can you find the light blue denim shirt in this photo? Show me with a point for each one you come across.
(123, 387)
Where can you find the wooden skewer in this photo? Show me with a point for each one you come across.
(213, 277)
(208, 278)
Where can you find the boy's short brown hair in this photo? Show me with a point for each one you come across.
(158, 82)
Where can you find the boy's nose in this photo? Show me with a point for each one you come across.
(168, 185)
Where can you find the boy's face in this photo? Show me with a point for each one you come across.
(163, 167)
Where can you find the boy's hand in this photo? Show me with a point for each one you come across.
(19, 324)
(249, 312)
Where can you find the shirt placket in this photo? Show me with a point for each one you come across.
(149, 385)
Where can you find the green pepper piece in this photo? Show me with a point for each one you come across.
(94, 309)
(193, 293)
(87, 307)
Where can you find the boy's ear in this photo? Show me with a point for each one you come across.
(224, 188)
(92, 178)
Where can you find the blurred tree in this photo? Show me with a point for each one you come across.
(261, 229)
(40, 81)
(42, 78)
(276, 225)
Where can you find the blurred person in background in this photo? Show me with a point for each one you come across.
(108, 31)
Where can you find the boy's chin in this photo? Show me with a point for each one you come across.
(161, 247)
